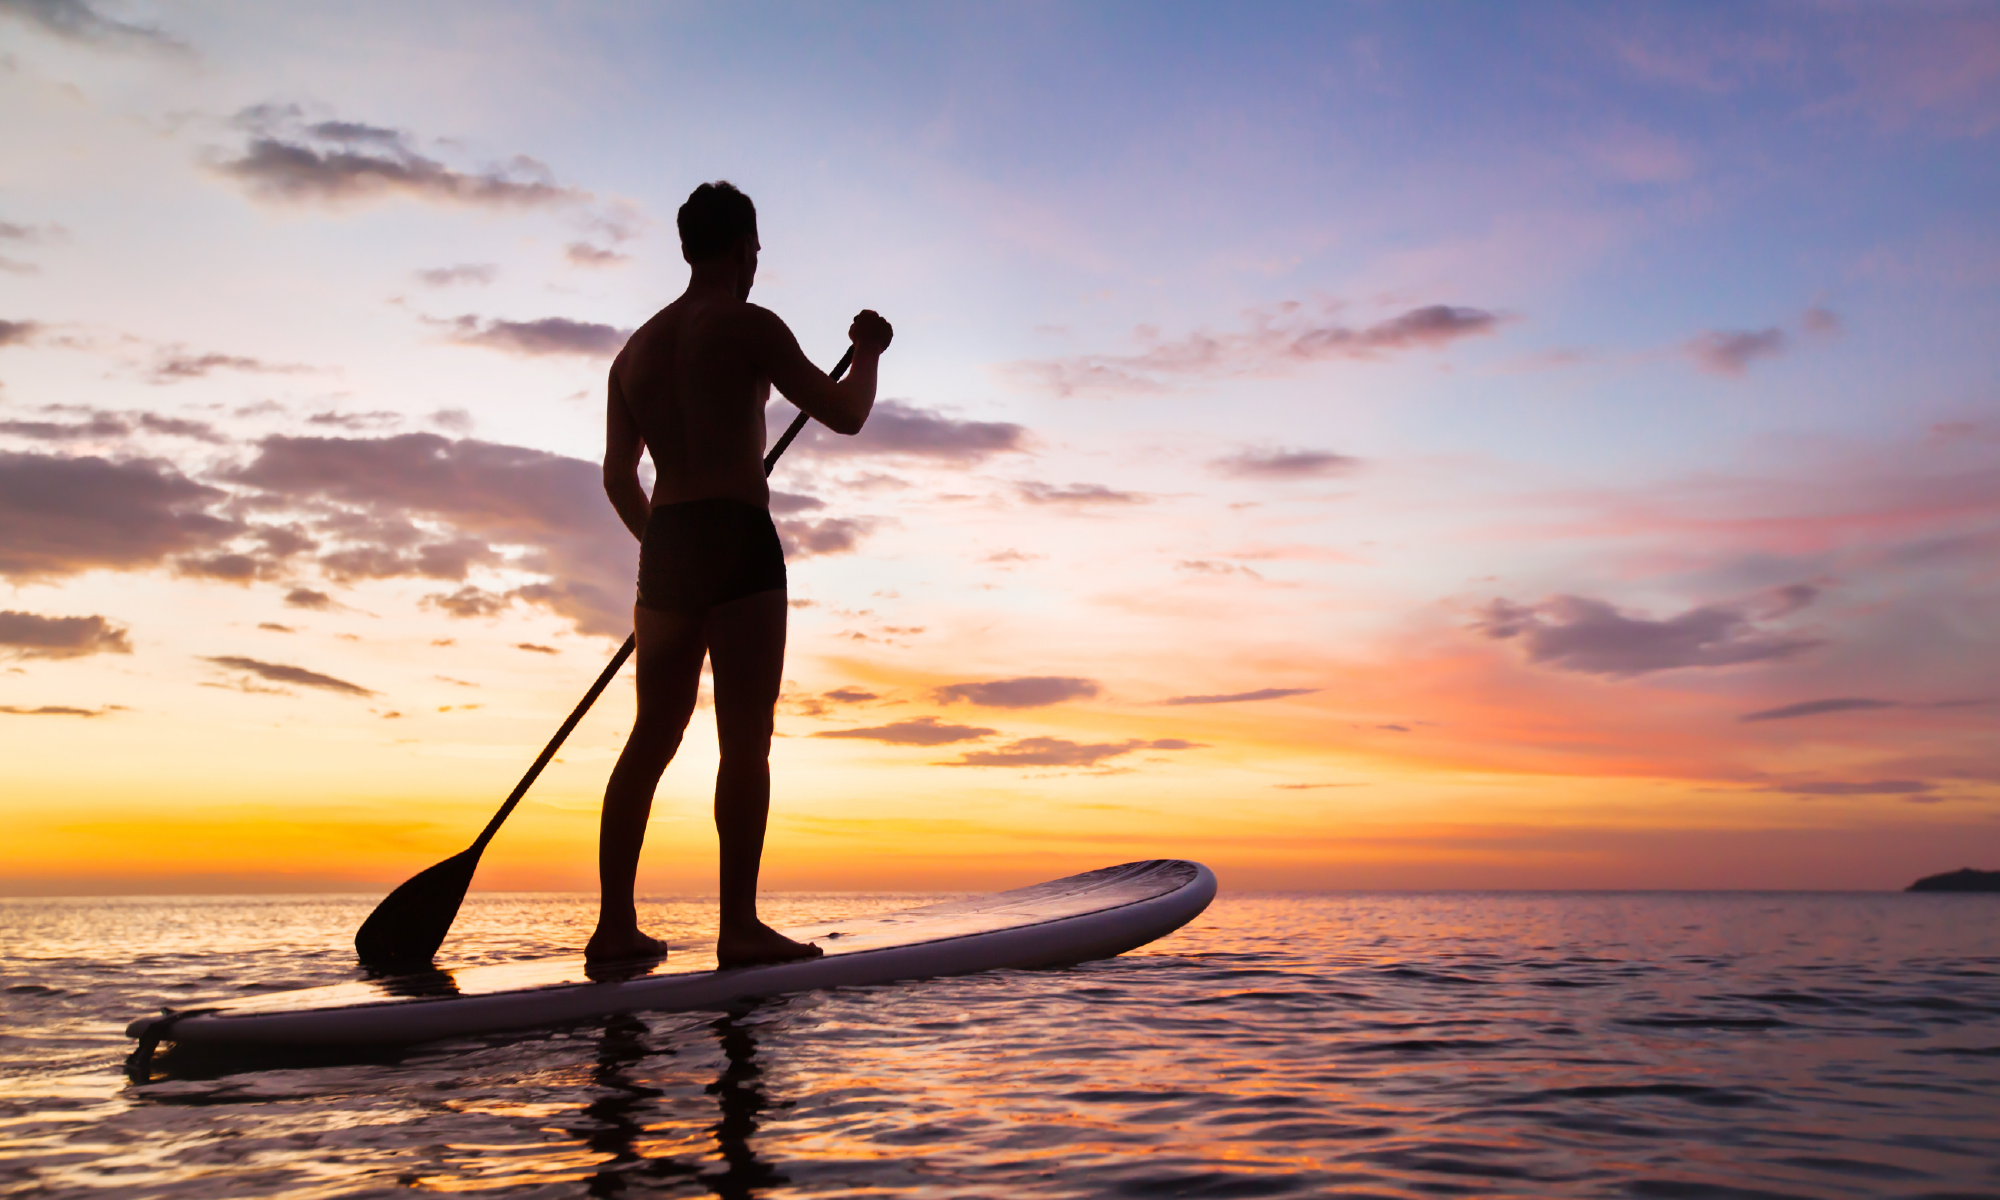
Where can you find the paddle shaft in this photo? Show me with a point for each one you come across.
(624, 652)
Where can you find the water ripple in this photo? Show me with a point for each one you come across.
(1708, 1046)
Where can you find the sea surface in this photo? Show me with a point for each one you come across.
(1669, 1045)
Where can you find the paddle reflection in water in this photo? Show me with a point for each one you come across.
(617, 1120)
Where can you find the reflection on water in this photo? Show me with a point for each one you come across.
(1594, 1045)
(616, 1121)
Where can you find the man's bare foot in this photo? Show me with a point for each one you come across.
(624, 945)
(759, 944)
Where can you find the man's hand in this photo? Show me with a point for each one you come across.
(870, 333)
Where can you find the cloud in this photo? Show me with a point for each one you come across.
(1075, 494)
(1028, 691)
(200, 431)
(18, 333)
(478, 274)
(791, 502)
(1209, 566)
(919, 731)
(78, 21)
(532, 647)
(539, 338)
(475, 500)
(102, 425)
(1284, 464)
(851, 695)
(365, 422)
(441, 559)
(54, 710)
(1731, 351)
(1278, 340)
(1012, 556)
(1821, 321)
(1240, 697)
(469, 601)
(230, 568)
(583, 254)
(98, 428)
(279, 673)
(1573, 633)
(1060, 752)
(1813, 708)
(1875, 787)
(343, 162)
(11, 231)
(901, 429)
(175, 366)
(307, 598)
(26, 635)
(804, 538)
(452, 420)
(61, 516)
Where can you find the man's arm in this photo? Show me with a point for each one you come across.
(842, 407)
(622, 447)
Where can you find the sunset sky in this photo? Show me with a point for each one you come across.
(1352, 445)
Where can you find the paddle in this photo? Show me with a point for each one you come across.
(406, 929)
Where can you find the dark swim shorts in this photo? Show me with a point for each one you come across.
(701, 553)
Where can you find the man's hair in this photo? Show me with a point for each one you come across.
(713, 218)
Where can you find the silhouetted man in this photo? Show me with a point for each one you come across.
(691, 387)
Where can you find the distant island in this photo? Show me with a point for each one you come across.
(1963, 880)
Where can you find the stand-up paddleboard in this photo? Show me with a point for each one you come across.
(1098, 914)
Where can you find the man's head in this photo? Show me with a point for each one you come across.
(715, 222)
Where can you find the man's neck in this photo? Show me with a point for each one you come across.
(716, 279)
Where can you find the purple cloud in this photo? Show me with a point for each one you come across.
(1028, 691)
(1574, 633)
(1077, 494)
(1061, 752)
(1731, 351)
(62, 516)
(541, 338)
(1278, 340)
(344, 162)
(26, 635)
(1813, 708)
(1242, 697)
(476, 274)
(918, 731)
(1284, 464)
(901, 429)
(1873, 787)
(279, 673)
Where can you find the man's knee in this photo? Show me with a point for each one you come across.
(746, 740)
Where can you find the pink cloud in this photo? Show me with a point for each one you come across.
(1277, 340)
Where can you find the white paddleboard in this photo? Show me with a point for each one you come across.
(1098, 914)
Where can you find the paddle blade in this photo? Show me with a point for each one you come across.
(406, 929)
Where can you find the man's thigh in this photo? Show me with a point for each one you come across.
(746, 645)
(669, 652)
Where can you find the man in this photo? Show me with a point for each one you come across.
(691, 387)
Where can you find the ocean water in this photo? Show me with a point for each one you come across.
(1619, 1045)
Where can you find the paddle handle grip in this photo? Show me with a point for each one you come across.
(618, 659)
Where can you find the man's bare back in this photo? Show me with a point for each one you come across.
(690, 387)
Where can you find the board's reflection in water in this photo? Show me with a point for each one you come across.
(617, 1118)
